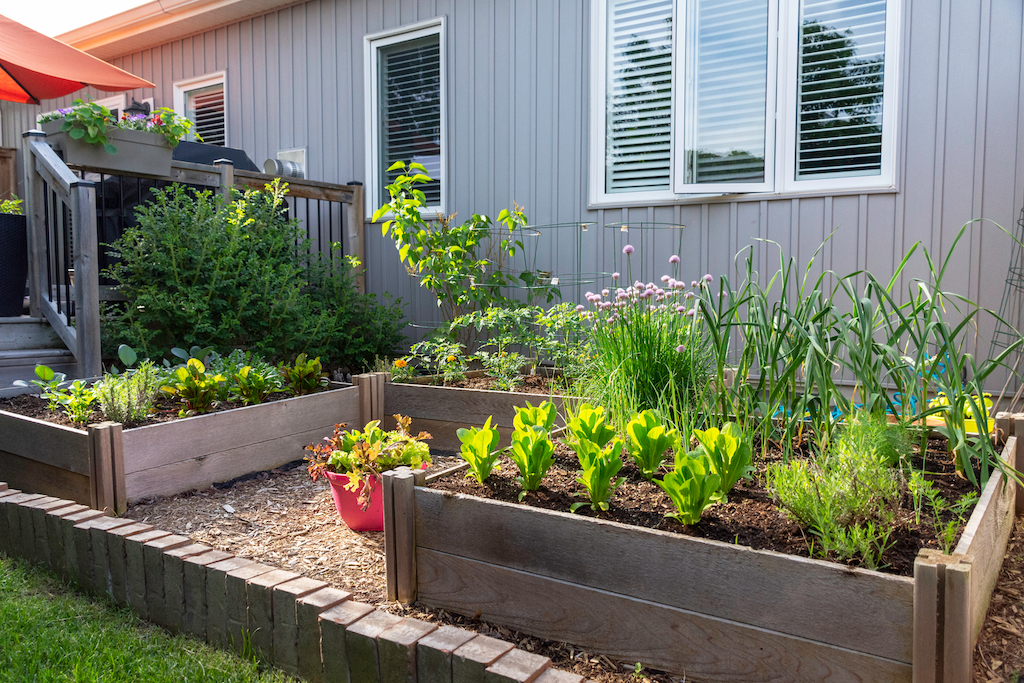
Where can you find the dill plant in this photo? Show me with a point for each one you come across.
(648, 349)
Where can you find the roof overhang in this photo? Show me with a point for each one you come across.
(161, 21)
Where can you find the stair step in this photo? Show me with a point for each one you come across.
(25, 334)
(33, 357)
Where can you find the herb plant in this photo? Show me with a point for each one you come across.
(506, 367)
(128, 397)
(480, 449)
(649, 441)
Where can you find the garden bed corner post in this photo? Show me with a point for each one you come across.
(400, 535)
(943, 643)
(371, 395)
(106, 462)
(1017, 429)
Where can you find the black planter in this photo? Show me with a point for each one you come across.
(13, 263)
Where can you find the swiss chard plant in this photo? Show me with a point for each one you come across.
(649, 441)
(600, 465)
(196, 388)
(252, 386)
(692, 486)
(305, 376)
(729, 453)
(480, 449)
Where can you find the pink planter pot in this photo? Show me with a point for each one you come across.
(372, 519)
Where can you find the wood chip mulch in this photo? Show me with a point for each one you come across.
(999, 656)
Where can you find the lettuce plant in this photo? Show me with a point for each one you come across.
(480, 449)
(590, 424)
(648, 442)
(542, 416)
(729, 453)
(600, 465)
(532, 452)
(692, 486)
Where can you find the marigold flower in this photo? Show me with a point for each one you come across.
(450, 359)
(400, 363)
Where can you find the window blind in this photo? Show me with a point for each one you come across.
(726, 91)
(410, 110)
(842, 59)
(639, 96)
(205, 107)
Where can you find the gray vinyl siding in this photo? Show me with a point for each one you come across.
(518, 102)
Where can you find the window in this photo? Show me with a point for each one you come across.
(405, 100)
(731, 96)
(202, 100)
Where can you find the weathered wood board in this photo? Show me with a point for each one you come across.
(34, 476)
(45, 442)
(769, 590)
(985, 537)
(468, 407)
(704, 648)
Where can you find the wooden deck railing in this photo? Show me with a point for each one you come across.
(64, 249)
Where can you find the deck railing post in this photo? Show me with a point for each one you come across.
(87, 278)
(226, 168)
(35, 200)
(352, 237)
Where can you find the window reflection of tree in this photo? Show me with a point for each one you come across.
(840, 104)
(640, 111)
(411, 111)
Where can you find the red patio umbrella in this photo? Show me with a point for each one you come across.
(35, 67)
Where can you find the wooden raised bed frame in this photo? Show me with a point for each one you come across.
(105, 466)
(709, 610)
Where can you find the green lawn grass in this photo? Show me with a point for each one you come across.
(51, 632)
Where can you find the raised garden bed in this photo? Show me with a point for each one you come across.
(703, 608)
(105, 466)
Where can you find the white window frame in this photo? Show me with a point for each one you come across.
(781, 116)
(371, 44)
(183, 87)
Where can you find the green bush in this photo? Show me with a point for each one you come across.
(240, 277)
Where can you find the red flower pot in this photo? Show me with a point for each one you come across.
(372, 519)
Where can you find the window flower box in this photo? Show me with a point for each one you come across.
(138, 151)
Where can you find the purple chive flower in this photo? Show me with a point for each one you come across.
(680, 348)
(689, 295)
(665, 278)
(690, 313)
(708, 278)
(673, 259)
(680, 308)
(579, 308)
(604, 292)
(693, 284)
(628, 249)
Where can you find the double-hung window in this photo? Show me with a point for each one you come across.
(736, 96)
(405, 109)
(202, 101)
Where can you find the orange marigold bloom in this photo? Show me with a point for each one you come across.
(400, 363)
(451, 359)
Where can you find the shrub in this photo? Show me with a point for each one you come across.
(239, 277)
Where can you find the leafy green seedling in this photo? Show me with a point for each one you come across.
(648, 442)
(600, 467)
(252, 386)
(196, 389)
(49, 384)
(729, 452)
(542, 416)
(77, 400)
(532, 452)
(304, 376)
(589, 424)
(692, 486)
(480, 449)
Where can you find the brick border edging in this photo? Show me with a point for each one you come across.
(300, 625)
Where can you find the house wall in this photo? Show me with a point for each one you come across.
(519, 80)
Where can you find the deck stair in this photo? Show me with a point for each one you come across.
(26, 342)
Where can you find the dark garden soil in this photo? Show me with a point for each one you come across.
(749, 517)
(532, 384)
(165, 409)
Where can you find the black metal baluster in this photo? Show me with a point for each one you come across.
(46, 231)
(67, 229)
